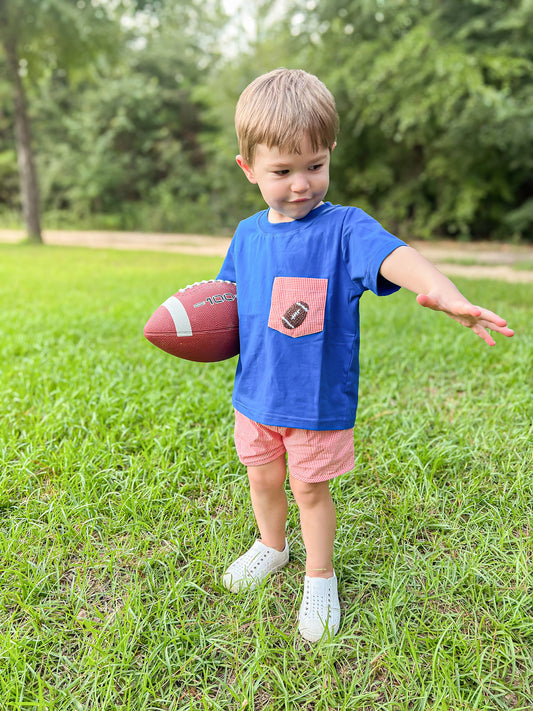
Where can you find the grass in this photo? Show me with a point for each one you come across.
(519, 265)
(525, 265)
(122, 501)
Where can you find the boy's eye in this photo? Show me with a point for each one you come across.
(286, 171)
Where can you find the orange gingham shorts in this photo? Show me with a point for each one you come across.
(313, 455)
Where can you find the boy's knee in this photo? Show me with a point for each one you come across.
(309, 494)
(267, 476)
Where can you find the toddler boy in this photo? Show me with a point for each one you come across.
(301, 267)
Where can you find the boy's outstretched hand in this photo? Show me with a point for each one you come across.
(478, 319)
(408, 268)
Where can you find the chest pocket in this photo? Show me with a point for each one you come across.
(298, 305)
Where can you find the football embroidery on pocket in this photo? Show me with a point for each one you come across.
(295, 315)
(298, 305)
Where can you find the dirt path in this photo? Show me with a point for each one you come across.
(492, 260)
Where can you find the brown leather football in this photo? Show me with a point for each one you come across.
(199, 322)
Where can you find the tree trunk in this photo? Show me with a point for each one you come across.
(26, 164)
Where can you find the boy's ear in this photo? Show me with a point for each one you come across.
(246, 169)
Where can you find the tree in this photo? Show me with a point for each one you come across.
(26, 163)
(126, 148)
(37, 37)
(436, 106)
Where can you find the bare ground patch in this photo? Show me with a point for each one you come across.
(491, 260)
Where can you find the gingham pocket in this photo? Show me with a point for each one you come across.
(298, 305)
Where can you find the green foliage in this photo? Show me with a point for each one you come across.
(56, 35)
(132, 107)
(122, 501)
(436, 112)
(126, 143)
(9, 188)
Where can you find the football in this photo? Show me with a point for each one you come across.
(199, 322)
(295, 315)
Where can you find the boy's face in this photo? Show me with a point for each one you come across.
(292, 184)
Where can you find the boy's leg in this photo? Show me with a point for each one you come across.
(320, 609)
(269, 501)
(318, 522)
(262, 450)
(316, 457)
(271, 552)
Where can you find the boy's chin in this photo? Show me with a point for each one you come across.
(293, 211)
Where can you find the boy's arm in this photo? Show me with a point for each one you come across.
(408, 268)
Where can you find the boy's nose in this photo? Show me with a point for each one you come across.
(300, 183)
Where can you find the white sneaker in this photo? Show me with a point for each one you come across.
(320, 609)
(248, 571)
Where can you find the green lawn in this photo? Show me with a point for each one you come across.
(122, 502)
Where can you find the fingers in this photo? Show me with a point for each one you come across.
(484, 335)
(478, 319)
(489, 320)
(491, 317)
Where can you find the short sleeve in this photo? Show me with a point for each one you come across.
(227, 271)
(365, 245)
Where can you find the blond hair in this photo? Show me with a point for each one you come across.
(282, 107)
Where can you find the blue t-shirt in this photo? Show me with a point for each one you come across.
(298, 289)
